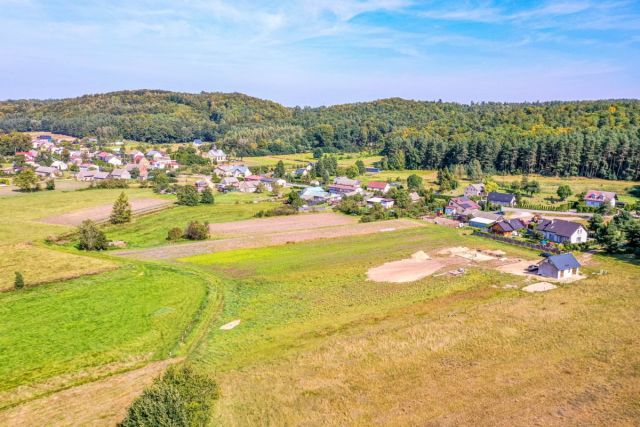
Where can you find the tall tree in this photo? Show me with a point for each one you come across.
(121, 211)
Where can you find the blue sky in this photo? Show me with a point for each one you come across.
(324, 52)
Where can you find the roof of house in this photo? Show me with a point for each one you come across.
(377, 185)
(101, 175)
(563, 261)
(478, 187)
(464, 203)
(501, 197)
(559, 227)
(119, 172)
(216, 153)
(229, 180)
(481, 220)
(599, 196)
(343, 180)
(509, 225)
(46, 169)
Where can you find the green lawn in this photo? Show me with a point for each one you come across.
(151, 230)
(130, 315)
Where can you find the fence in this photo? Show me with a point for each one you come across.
(516, 242)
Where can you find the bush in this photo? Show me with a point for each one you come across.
(174, 234)
(110, 183)
(91, 238)
(18, 282)
(277, 211)
(51, 185)
(188, 195)
(182, 397)
(207, 197)
(197, 231)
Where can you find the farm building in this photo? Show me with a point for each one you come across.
(46, 172)
(595, 199)
(344, 185)
(479, 222)
(559, 266)
(561, 231)
(120, 174)
(502, 199)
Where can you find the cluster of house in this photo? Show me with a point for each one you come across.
(240, 178)
(373, 193)
(86, 162)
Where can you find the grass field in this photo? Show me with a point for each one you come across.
(319, 344)
(40, 264)
(65, 331)
(151, 230)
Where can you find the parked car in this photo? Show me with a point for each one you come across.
(532, 267)
(545, 254)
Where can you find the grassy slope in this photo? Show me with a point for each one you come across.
(318, 342)
(135, 313)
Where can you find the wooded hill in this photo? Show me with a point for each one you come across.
(588, 138)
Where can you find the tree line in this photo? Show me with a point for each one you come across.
(585, 138)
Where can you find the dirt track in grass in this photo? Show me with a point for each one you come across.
(268, 238)
(102, 212)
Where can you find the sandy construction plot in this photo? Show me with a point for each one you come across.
(259, 240)
(102, 212)
(102, 402)
(280, 224)
(406, 270)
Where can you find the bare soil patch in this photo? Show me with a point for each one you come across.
(260, 240)
(102, 402)
(102, 212)
(464, 252)
(539, 287)
(406, 270)
(280, 224)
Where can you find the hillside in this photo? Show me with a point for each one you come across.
(586, 138)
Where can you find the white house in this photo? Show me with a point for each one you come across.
(384, 202)
(474, 190)
(561, 231)
(560, 266)
(217, 155)
(60, 165)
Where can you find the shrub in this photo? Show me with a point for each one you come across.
(277, 211)
(51, 185)
(91, 238)
(207, 197)
(197, 231)
(18, 282)
(181, 397)
(110, 183)
(188, 195)
(174, 234)
(26, 180)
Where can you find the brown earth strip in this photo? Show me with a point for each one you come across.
(102, 212)
(256, 241)
(279, 224)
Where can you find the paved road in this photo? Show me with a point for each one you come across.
(585, 215)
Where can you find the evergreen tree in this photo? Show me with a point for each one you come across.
(279, 171)
(475, 171)
(18, 282)
(121, 211)
(361, 167)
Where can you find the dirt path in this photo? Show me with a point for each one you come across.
(98, 403)
(102, 212)
(260, 240)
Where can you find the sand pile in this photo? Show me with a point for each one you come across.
(420, 255)
(466, 253)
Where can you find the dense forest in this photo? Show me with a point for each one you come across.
(588, 138)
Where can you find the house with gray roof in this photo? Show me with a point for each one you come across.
(502, 199)
(561, 231)
(561, 266)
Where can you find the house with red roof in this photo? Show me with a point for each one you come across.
(380, 186)
(596, 198)
(458, 206)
